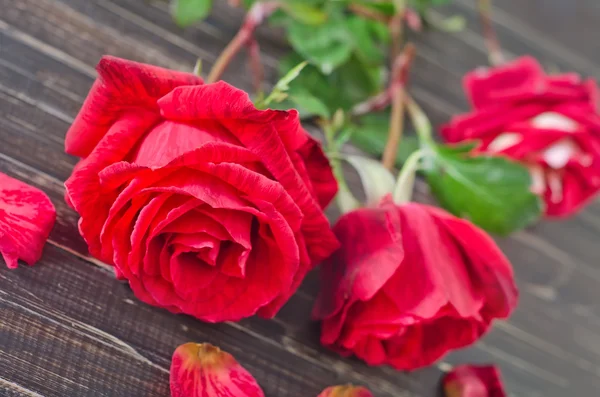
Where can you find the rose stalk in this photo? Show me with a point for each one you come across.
(489, 33)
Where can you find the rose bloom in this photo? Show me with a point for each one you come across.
(549, 123)
(206, 205)
(409, 283)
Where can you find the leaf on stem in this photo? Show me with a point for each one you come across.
(354, 82)
(280, 91)
(187, 12)
(328, 45)
(493, 192)
(377, 180)
(305, 13)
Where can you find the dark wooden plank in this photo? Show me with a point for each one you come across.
(518, 38)
(562, 28)
(551, 336)
(82, 319)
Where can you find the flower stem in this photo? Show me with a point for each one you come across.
(256, 66)
(255, 16)
(397, 92)
(489, 34)
(396, 26)
(368, 13)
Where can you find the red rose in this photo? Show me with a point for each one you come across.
(548, 122)
(205, 204)
(409, 283)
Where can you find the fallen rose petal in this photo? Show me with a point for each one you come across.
(473, 381)
(26, 219)
(204, 370)
(346, 391)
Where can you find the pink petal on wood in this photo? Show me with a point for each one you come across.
(26, 219)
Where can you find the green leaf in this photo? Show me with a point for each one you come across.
(371, 137)
(291, 75)
(385, 7)
(377, 180)
(423, 5)
(453, 24)
(327, 45)
(280, 91)
(366, 35)
(186, 12)
(305, 13)
(492, 192)
(354, 82)
(309, 105)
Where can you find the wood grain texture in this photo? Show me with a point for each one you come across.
(67, 328)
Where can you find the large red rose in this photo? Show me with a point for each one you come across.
(548, 122)
(409, 283)
(205, 204)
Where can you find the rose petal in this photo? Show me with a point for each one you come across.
(319, 171)
(473, 381)
(121, 85)
(26, 219)
(270, 135)
(554, 121)
(363, 265)
(513, 80)
(203, 370)
(346, 391)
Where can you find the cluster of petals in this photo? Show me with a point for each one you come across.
(410, 283)
(206, 205)
(550, 123)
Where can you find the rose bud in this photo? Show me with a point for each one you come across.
(26, 220)
(204, 370)
(550, 123)
(473, 381)
(409, 283)
(206, 205)
(346, 391)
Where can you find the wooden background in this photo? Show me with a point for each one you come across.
(67, 328)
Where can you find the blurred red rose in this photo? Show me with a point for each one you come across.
(409, 283)
(26, 219)
(548, 122)
(473, 381)
(205, 204)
